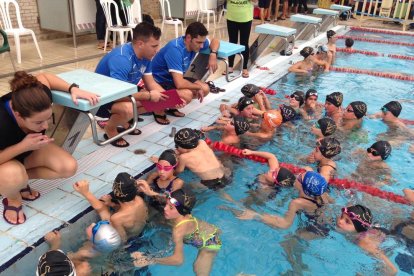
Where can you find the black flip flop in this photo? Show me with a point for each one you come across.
(135, 132)
(115, 143)
(163, 117)
(173, 112)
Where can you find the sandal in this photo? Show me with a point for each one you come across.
(245, 74)
(119, 143)
(157, 118)
(230, 72)
(29, 190)
(134, 132)
(6, 208)
(174, 112)
(213, 88)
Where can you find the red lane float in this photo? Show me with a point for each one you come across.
(339, 183)
(370, 30)
(370, 53)
(372, 73)
(268, 91)
(358, 38)
(400, 57)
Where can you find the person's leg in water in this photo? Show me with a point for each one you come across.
(204, 262)
(233, 30)
(293, 250)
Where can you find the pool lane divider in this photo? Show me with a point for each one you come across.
(359, 38)
(380, 31)
(371, 53)
(372, 73)
(338, 183)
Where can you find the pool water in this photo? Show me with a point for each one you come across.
(252, 248)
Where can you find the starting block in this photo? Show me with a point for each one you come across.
(328, 16)
(309, 21)
(342, 9)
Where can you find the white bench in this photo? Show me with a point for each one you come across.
(308, 20)
(72, 124)
(342, 9)
(283, 32)
(327, 14)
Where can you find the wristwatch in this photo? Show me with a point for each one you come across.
(71, 86)
(213, 52)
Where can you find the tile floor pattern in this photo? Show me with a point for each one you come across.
(99, 165)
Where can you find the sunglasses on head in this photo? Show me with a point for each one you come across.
(297, 98)
(165, 168)
(374, 152)
(354, 216)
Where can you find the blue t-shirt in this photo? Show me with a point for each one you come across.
(173, 57)
(122, 64)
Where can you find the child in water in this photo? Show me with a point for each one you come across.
(186, 230)
(325, 150)
(353, 115)
(312, 109)
(235, 127)
(308, 63)
(333, 107)
(357, 220)
(323, 128)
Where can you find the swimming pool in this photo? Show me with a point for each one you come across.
(253, 248)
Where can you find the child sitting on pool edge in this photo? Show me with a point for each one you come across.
(186, 230)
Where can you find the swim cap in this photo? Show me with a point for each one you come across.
(272, 119)
(360, 216)
(185, 201)
(349, 42)
(330, 34)
(124, 188)
(329, 147)
(299, 96)
(323, 49)
(288, 113)
(383, 149)
(394, 107)
(327, 126)
(241, 125)
(335, 98)
(359, 108)
(55, 263)
(284, 177)
(244, 102)
(311, 92)
(169, 156)
(186, 138)
(305, 52)
(313, 184)
(250, 90)
(104, 237)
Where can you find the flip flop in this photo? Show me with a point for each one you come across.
(6, 208)
(213, 88)
(245, 74)
(163, 117)
(135, 132)
(174, 112)
(116, 142)
(28, 189)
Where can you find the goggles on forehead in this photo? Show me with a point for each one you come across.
(297, 98)
(356, 217)
(172, 200)
(313, 94)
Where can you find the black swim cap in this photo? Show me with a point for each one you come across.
(244, 102)
(329, 147)
(124, 188)
(311, 92)
(169, 156)
(288, 113)
(186, 201)
(327, 126)
(330, 34)
(300, 96)
(307, 51)
(55, 262)
(241, 125)
(394, 107)
(359, 108)
(383, 148)
(335, 98)
(285, 178)
(186, 138)
(250, 90)
(360, 216)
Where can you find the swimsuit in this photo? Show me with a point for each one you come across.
(314, 226)
(216, 183)
(201, 240)
(332, 174)
(157, 202)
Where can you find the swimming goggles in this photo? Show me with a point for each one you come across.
(349, 110)
(316, 125)
(356, 217)
(297, 98)
(172, 200)
(165, 168)
(384, 109)
(274, 176)
(313, 94)
(374, 152)
(96, 228)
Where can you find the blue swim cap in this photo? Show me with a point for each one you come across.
(104, 237)
(313, 184)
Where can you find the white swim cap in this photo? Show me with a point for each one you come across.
(104, 237)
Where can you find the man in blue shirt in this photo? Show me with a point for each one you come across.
(130, 62)
(173, 60)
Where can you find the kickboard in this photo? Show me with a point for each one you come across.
(171, 102)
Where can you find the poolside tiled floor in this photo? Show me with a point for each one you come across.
(99, 165)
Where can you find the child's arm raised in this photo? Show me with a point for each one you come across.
(82, 187)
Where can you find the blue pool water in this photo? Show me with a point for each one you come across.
(250, 247)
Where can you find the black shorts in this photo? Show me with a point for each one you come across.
(171, 85)
(264, 4)
(216, 183)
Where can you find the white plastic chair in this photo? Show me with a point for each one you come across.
(5, 10)
(222, 12)
(167, 19)
(118, 28)
(132, 14)
(202, 9)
